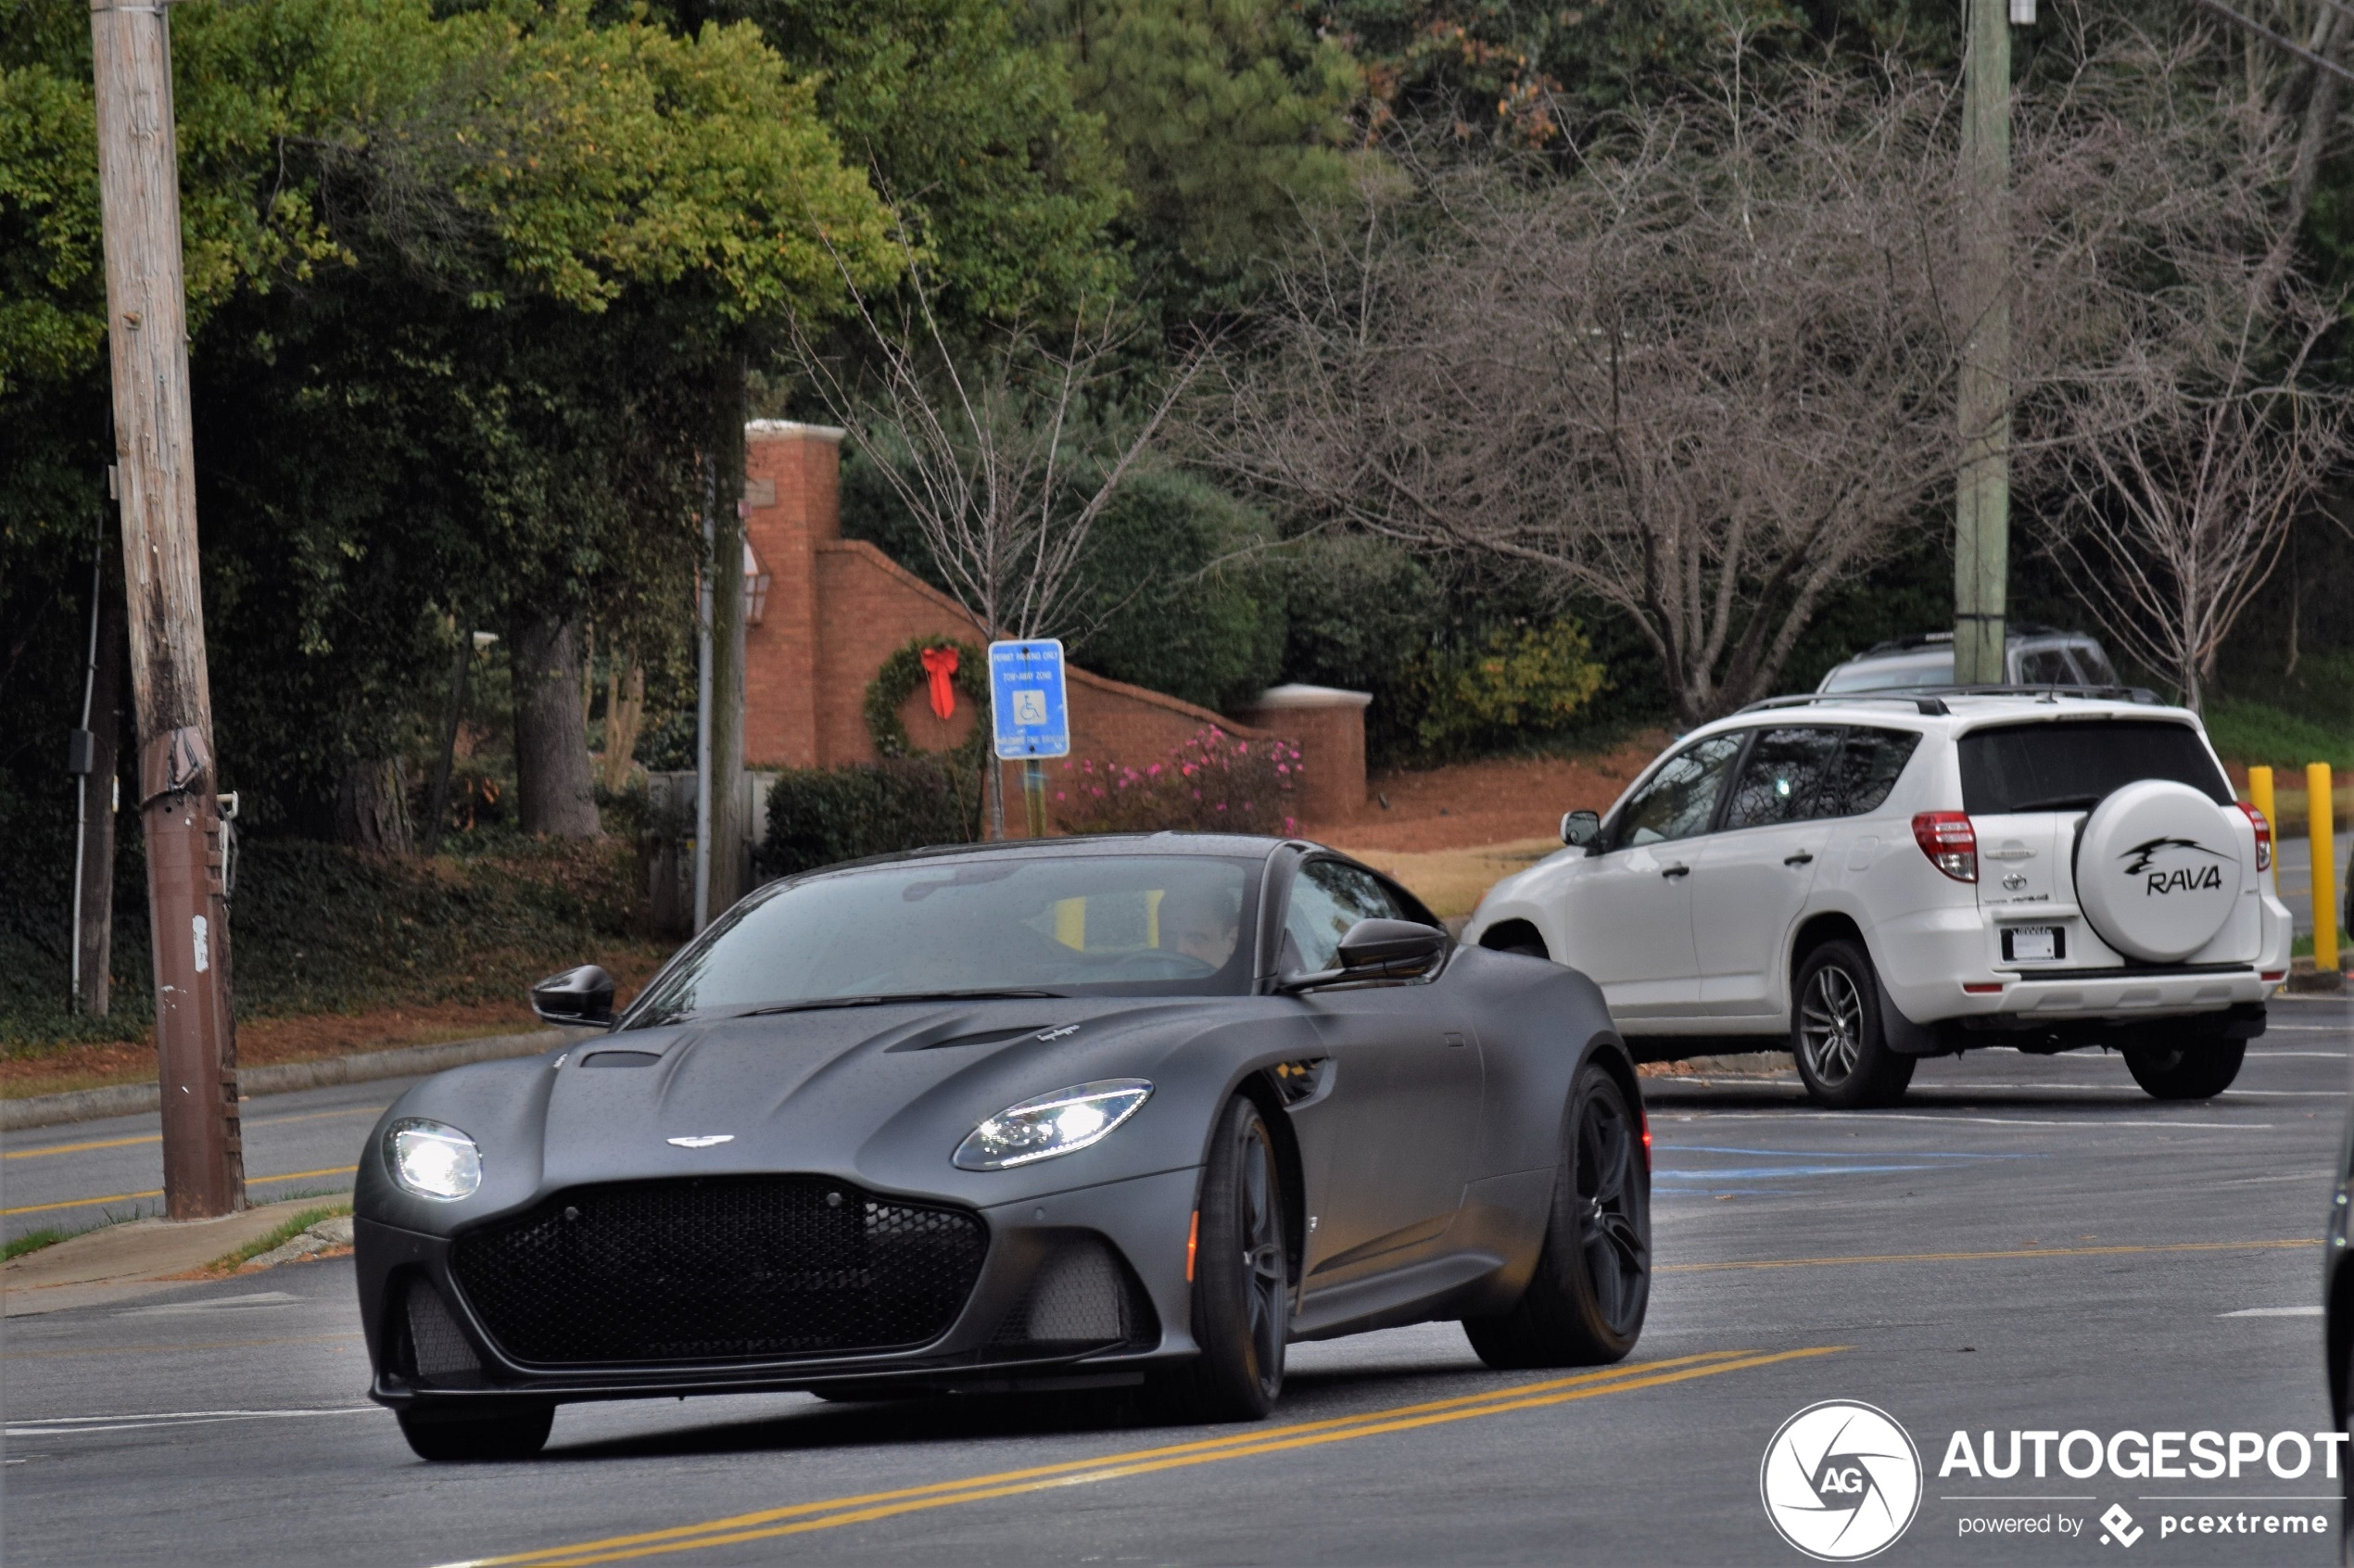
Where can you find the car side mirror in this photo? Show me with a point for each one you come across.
(1582, 829)
(581, 997)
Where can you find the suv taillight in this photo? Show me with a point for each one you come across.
(2263, 836)
(1949, 840)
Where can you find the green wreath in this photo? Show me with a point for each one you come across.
(899, 678)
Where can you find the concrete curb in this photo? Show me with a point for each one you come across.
(410, 1061)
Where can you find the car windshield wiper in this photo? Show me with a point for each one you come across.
(2056, 802)
(815, 1003)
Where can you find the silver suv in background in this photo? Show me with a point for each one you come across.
(2031, 656)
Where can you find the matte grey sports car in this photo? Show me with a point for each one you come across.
(1095, 1111)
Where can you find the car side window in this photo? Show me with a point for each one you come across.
(1680, 798)
(1778, 782)
(2045, 666)
(1868, 767)
(1326, 899)
(2093, 664)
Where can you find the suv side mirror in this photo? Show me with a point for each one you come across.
(1582, 829)
(579, 998)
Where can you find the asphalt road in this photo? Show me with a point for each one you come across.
(2025, 1243)
(86, 1173)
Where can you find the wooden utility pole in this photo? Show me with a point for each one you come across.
(1982, 498)
(727, 760)
(147, 337)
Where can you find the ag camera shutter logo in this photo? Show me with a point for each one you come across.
(1840, 1481)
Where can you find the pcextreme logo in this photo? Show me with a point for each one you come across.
(1840, 1481)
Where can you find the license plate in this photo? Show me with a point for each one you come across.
(2031, 942)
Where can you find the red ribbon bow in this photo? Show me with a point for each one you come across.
(939, 663)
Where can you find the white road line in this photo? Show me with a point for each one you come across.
(2312, 1312)
(1854, 1117)
(74, 1426)
(216, 1304)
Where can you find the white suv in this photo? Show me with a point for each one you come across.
(1876, 880)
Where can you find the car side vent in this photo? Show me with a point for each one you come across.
(438, 1351)
(620, 1058)
(1082, 1295)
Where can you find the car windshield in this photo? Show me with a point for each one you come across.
(1082, 925)
(1883, 674)
(2072, 766)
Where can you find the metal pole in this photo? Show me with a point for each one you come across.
(703, 720)
(2321, 811)
(78, 763)
(1033, 795)
(1982, 497)
(147, 340)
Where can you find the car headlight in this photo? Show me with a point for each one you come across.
(433, 1159)
(1061, 1123)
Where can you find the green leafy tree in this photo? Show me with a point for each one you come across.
(467, 289)
(1226, 114)
(970, 128)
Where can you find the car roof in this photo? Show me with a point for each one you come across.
(1943, 641)
(1956, 709)
(1248, 846)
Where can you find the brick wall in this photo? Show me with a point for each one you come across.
(837, 608)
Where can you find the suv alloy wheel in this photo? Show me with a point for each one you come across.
(1835, 1032)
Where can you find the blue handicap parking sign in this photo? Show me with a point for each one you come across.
(1025, 696)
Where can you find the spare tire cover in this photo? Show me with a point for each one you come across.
(2158, 870)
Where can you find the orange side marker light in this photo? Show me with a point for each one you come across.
(1192, 1239)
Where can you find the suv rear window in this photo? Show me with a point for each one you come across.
(2071, 766)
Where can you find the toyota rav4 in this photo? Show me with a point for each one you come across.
(1879, 878)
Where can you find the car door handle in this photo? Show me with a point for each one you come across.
(1802, 857)
(1675, 870)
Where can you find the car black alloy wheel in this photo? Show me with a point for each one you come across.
(1610, 1231)
(508, 1434)
(1836, 1036)
(1242, 1277)
(2199, 1071)
(1585, 1302)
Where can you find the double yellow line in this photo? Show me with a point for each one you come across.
(134, 1198)
(802, 1518)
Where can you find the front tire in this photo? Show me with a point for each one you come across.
(1836, 1035)
(510, 1434)
(1584, 1306)
(2198, 1071)
(1242, 1277)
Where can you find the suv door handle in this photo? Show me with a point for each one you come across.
(1675, 870)
(1804, 857)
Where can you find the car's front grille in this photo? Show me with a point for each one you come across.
(714, 1269)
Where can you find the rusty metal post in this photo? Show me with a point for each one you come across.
(147, 340)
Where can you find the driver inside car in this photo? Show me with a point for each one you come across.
(1200, 924)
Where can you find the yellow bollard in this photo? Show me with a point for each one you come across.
(2319, 807)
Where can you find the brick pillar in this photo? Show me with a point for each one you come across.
(1328, 725)
(792, 504)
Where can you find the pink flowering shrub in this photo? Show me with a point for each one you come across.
(1213, 783)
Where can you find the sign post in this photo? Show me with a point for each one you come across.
(1030, 714)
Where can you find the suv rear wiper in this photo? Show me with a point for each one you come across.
(815, 1003)
(2056, 802)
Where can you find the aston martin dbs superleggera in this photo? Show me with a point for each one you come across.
(1093, 1111)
